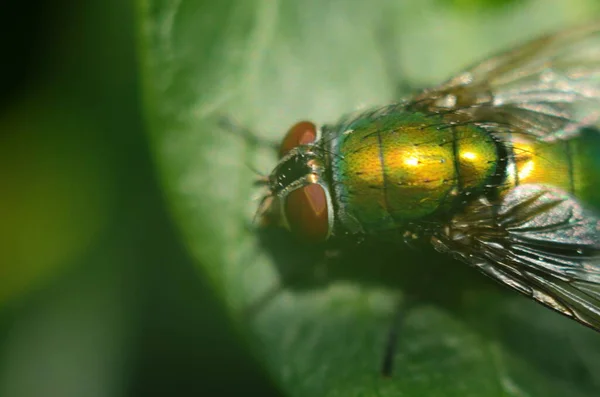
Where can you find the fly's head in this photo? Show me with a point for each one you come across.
(298, 195)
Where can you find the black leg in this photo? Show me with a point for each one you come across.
(228, 124)
(255, 307)
(387, 364)
(299, 268)
(403, 87)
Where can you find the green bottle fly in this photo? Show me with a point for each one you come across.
(499, 167)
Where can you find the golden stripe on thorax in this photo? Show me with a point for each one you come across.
(403, 168)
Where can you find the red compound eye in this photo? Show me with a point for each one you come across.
(306, 213)
(300, 134)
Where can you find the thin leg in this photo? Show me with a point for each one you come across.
(402, 85)
(228, 124)
(255, 307)
(387, 364)
(297, 269)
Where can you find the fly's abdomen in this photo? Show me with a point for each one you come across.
(572, 165)
(403, 167)
(586, 157)
(533, 161)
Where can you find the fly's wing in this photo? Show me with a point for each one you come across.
(539, 241)
(548, 88)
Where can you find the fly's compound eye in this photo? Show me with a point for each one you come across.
(301, 133)
(307, 213)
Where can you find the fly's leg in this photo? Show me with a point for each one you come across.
(251, 137)
(403, 307)
(256, 306)
(403, 87)
(295, 276)
(321, 272)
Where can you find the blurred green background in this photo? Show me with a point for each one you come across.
(97, 296)
(98, 293)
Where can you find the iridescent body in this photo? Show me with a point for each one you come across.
(572, 165)
(391, 167)
(499, 167)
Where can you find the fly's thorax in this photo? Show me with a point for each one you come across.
(392, 169)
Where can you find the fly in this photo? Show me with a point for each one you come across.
(498, 167)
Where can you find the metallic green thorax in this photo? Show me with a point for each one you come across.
(390, 167)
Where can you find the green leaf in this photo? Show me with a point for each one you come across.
(324, 330)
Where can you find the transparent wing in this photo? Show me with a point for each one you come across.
(539, 241)
(548, 87)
